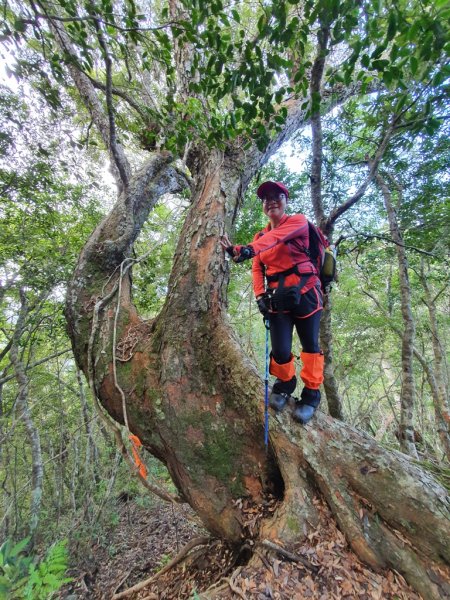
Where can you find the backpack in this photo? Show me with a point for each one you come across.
(322, 255)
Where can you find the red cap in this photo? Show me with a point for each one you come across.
(268, 185)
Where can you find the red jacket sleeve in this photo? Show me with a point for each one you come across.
(288, 230)
(258, 276)
(258, 271)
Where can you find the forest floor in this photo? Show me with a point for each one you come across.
(145, 540)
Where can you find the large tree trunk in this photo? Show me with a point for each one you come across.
(193, 397)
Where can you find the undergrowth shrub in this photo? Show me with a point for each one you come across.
(25, 577)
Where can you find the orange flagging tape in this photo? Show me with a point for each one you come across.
(136, 444)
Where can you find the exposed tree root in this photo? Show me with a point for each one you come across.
(289, 555)
(200, 541)
(392, 517)
(222, 585)
(233, 587)
(122, 581)
(336, 564)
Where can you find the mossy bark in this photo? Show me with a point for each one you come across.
(194, 398)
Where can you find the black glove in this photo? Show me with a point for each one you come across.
(245, 252)
(264, 305)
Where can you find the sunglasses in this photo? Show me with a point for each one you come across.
(273, 197)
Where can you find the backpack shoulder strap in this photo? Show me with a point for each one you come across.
(321, 237)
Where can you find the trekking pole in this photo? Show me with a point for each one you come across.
(266, 388)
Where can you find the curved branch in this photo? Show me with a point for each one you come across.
(374, 236)
(112, 240)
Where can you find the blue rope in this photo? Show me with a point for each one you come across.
(266, 390)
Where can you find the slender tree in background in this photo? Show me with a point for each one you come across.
(408, 392)
(43, 220)
(23, 413)
(437, 375)
(220, 89)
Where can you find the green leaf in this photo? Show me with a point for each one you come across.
(392, 26)
(261, 143)
(380, 65)
(378, 51)
(394, 52)
(262, 22)
(19, 547)
(413, 30)
(426, 47)
(365, 60)
(401, 103)
(249, 110)
(438, 78)
(387, 77)
(20, 25)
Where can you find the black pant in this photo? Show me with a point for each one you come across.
(282, 327)
(281, 330)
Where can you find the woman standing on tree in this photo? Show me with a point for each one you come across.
(293, 298)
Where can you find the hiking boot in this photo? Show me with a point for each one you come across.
(303, 413)
(305, 408)
(278, 401)
(281, 392)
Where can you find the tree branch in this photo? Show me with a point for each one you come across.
(121, 94)
(25, 414)
(49, 17)
(120, 166)
(337, 212)
(34, 364)
(3, 353)
(391, 241)
(316, 123)
(198, 541)
(297, 118)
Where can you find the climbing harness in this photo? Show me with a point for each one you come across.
(266, 388)
(286, 298)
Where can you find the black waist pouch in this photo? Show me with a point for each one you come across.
(284, 298)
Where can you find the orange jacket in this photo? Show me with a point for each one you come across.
(280, 249)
